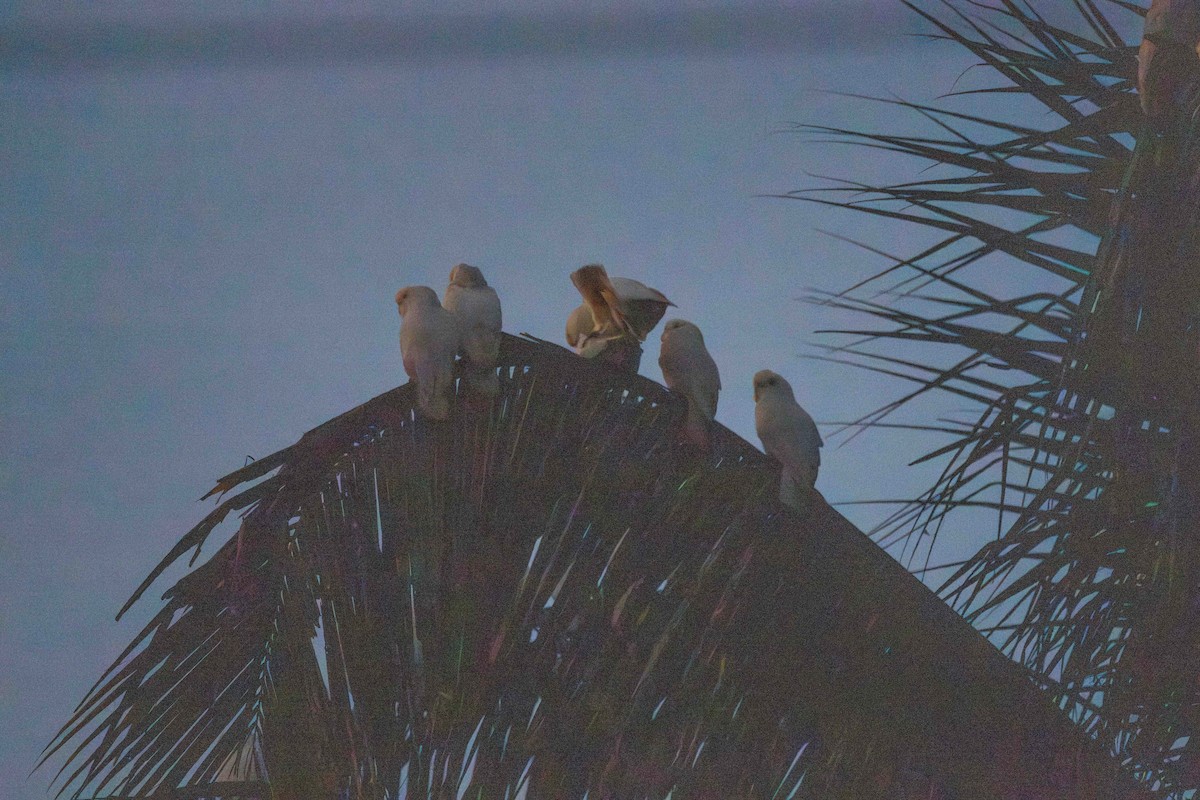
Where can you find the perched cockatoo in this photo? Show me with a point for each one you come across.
(1169, 56)
(477, 307)
(688, 368)
(614, 308)
(429, 339)
(618, 306)
(789, 435)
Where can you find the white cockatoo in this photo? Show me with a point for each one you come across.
(688, 368)
(789, 435)
(1169, 56)
(477, 307)
(614, 307)
(429, 339)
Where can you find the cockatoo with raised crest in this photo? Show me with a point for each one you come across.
(477, 307)
(789, 435)
(429, 341)
(688, 368)
(613, 309)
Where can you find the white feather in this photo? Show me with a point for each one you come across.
(630, 290)
(429, 342)
(579, 324)
(689, 369)
(480, 320)
(641, 306)
(788, 434)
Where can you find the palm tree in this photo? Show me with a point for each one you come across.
(555, 596)
(1080, 452)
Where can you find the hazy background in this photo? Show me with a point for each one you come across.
(205, 215)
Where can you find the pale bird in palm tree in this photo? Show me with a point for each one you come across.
(613, 308)
(477, 307)
(429, 340)
(688, 368)
(789, 435)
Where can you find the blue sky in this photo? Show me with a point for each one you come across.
(198, 258)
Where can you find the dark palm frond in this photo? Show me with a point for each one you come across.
(552, 597)
(1084, 371)
(182, 707)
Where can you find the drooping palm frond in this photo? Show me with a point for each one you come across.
(553, 598)
(1060, 301)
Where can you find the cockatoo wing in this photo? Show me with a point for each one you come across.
(790, 436)
(628, 289)
(429, 342)
(619, 305)
(601, 299)
(688, 368)
(579, 324)
(582, 334)
(644, 307)
(707, 391)
(480, 318)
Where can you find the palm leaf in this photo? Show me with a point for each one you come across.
(1084, 382)
(551, 597)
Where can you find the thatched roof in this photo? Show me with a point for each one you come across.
(552, 598)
